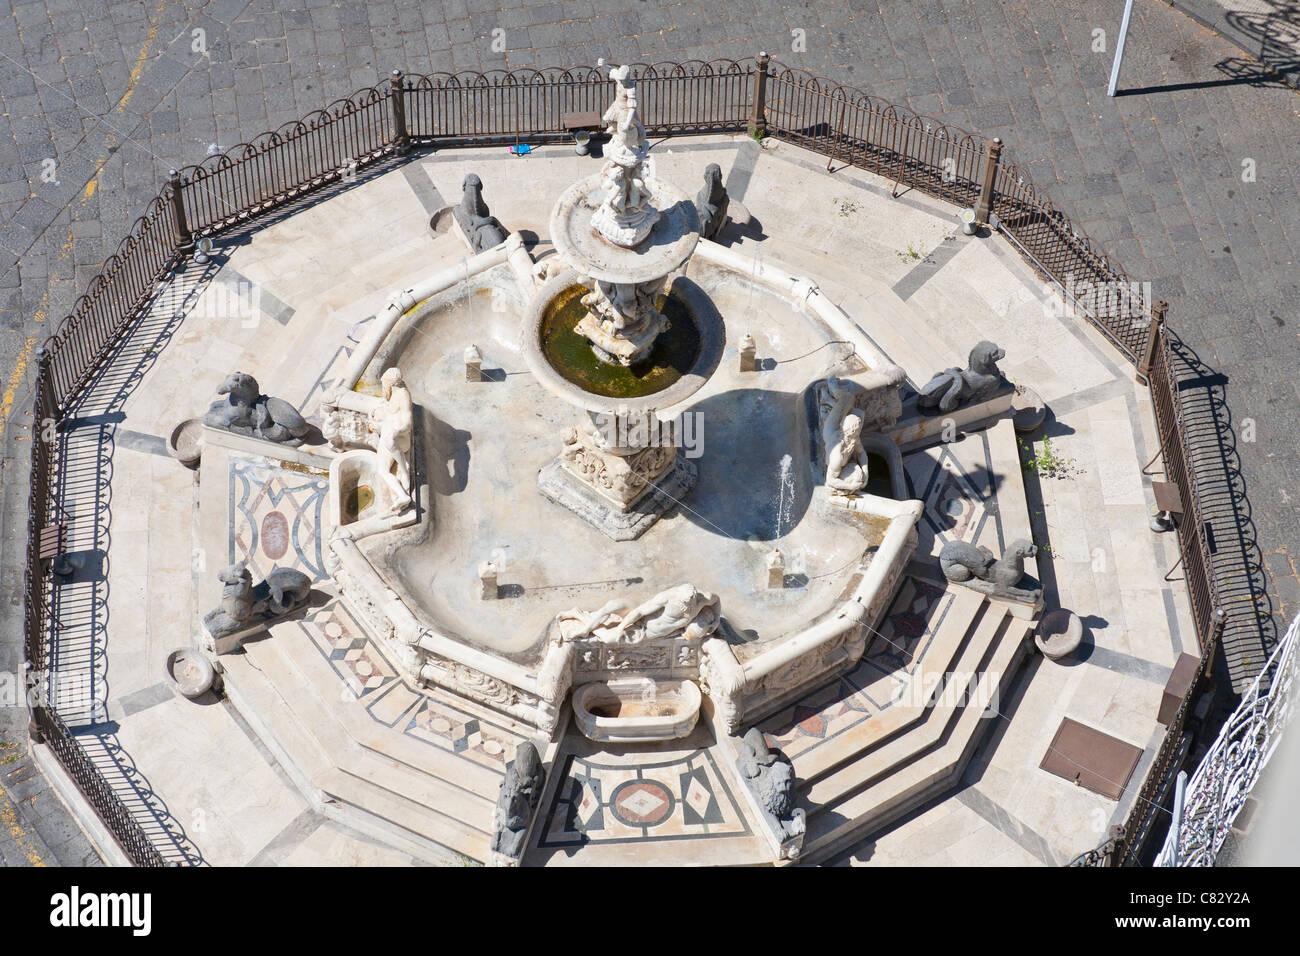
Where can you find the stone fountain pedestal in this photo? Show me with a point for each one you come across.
(621, 467)
(622, 322)
(620, 490)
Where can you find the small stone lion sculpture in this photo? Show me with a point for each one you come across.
(711, 202)
(770, 776)
(954, 387)
(481, 228)
(244, 606)
(976, 567)
(246, 411)
(520, 791)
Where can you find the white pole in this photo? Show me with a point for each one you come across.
(1119, 48)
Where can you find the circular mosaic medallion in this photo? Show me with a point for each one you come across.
(641, 803)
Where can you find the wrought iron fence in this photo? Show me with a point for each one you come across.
(1229, 770)
(236, 187)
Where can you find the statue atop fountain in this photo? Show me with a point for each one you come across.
(625, 216)
(619, 236)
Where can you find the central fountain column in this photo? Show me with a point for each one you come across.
(621, 234)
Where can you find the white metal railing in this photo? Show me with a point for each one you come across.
(1218, 789)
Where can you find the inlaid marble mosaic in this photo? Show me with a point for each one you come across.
(675, 799)
(368, 678)
(276, 518)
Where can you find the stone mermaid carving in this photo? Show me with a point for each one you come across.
(246, 411)
(954, 387)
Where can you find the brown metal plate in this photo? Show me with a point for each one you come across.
(1093, 760)
(587, 120)
(1167, 497)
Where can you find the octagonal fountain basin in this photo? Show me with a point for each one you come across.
(685, 354)
(636, 710)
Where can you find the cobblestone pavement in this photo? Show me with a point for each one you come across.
(99, 99)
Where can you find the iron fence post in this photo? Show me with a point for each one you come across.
(397, 88)
(1153, 336)
(45, 386)
(185, 237)
(991, 159)
(758, 114)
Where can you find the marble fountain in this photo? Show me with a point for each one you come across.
(638, 524)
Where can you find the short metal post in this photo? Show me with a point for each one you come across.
(1153, 339)
(186, 242)
(985, 204)
(758, 116)
(397, 87)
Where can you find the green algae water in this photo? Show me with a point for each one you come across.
(570, 354)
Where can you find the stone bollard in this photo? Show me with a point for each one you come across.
(487, 577)
(776, 569)
(473, 364)
(748, 353)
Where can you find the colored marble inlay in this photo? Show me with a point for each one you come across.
(369, 679)
(276, 518)
(681, 798)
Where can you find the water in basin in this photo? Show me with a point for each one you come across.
(570, 354)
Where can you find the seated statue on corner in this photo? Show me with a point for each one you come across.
(520, 791)
(711, 202)
(392, 422)
(481, 228)
(244, 607)
(846, 459)
(678, 612)
(976, 567)
(246, 411)
(770, 777)
(954, 387)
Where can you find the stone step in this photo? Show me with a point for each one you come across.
(897, 719)
(259, 702)
(865, 811)
(419, 820)
(924, 735)
(900, 332)
(1004, 455)
(318, 678)
(414, 797)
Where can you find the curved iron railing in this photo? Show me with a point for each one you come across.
(233, 188)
